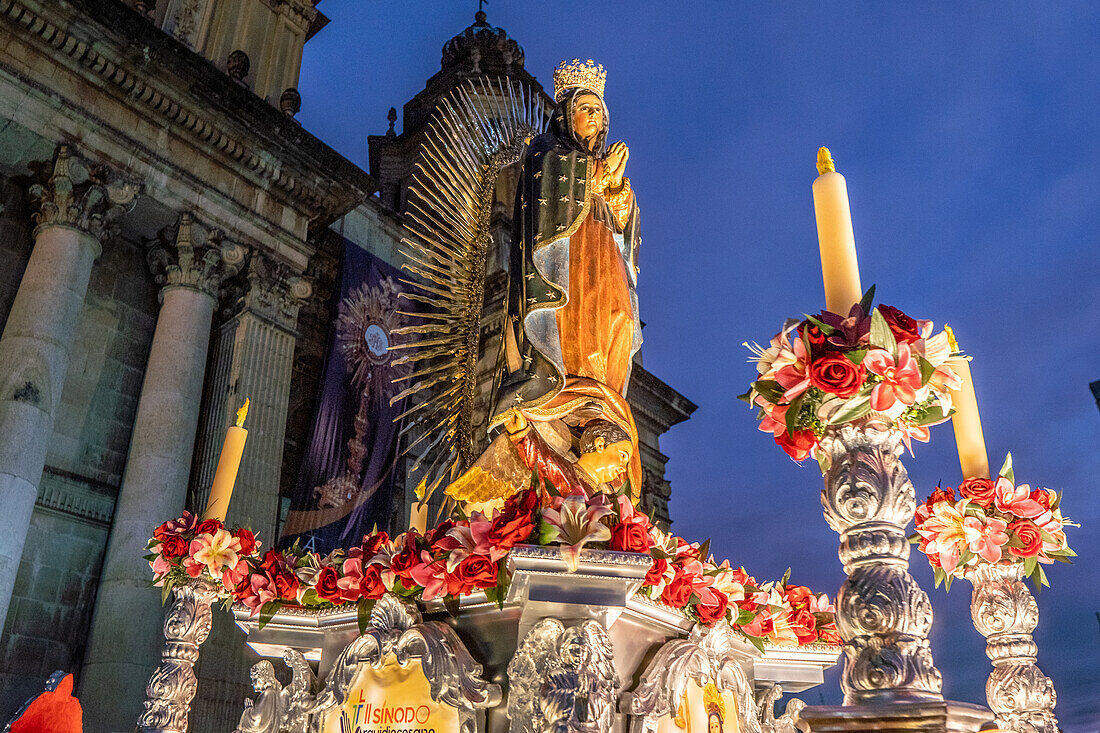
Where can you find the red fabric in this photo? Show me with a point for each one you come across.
(54, 711)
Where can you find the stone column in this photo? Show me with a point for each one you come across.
(75, 208)
(253, 354)
(125, 641)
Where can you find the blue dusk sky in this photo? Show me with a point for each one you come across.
(970, 138)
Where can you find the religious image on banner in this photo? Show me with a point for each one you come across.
(347, 483)
(703, 709)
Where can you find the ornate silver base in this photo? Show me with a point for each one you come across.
(173, 684)
(1005, 613)
(561, 651)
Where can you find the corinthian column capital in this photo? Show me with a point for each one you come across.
(270, 289)
(186, 256)
(82, 196)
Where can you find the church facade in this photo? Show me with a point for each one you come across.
(171, 240)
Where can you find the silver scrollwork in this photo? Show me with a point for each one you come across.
(707, 655)
(1005, 613)
(396, 628)
(173, 684)
(882, 614)
(785, 723)
(563, 680)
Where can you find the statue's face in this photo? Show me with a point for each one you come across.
(608, 461)
(715, 725)
(588, 117)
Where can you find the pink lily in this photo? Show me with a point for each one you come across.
(775, 418)
(161, 567)
(1015, 499)
(215, 551)
(572, 522)
(431, 574)
(263, 591)
(777, 355)
(900, 377)
(911, 432)
(986, 539)
(794, 377)
(945, 534)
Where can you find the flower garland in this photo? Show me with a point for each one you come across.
(876, 362)
(992, 522)
(463, 556)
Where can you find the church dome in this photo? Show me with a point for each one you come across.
(482, 49)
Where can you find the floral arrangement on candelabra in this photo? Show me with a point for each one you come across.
(994, 522)
(459, 557)
(995, 534)
(876, 362)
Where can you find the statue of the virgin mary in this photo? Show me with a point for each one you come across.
(573, 326)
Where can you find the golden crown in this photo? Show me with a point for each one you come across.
(576, 73)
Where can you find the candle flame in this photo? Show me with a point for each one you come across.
(242, 413)
(951, 339)
(825, 162)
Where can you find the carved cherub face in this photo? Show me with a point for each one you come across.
(608, 461)
(588, 117)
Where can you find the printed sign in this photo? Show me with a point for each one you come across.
(391, 699)
(703, 710)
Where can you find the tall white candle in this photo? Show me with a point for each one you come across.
(836, 239)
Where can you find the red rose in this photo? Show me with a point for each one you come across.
(677, 592)
(798, 595)
(210, 526)
(434, 535)
(372, 543)
(514, 524)
(1042, 496)
(709, 614)
(477, 571)
(836, 374)
(163, 531)
(327, 589)
(286, 585)
(799, 445)
(1028, 533)
(978, 490)
(685, 549)
(814, 336)
(371, 585)
(939, 495)
(804, 625)
(247, 540)
(407, 558)
(656, 572)
(173, 546)
(904, 328)
(630, 537)
(273, 562)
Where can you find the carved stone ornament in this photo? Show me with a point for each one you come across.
(1005, 613)
(707, 655)
(563, 680)
(173, 684)
(270, 289)
(182, 260)
(396, 628)
(882, 614)
(785, 723)
(82, 196)
(278, 708)
(237, 65)
(290, 102)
